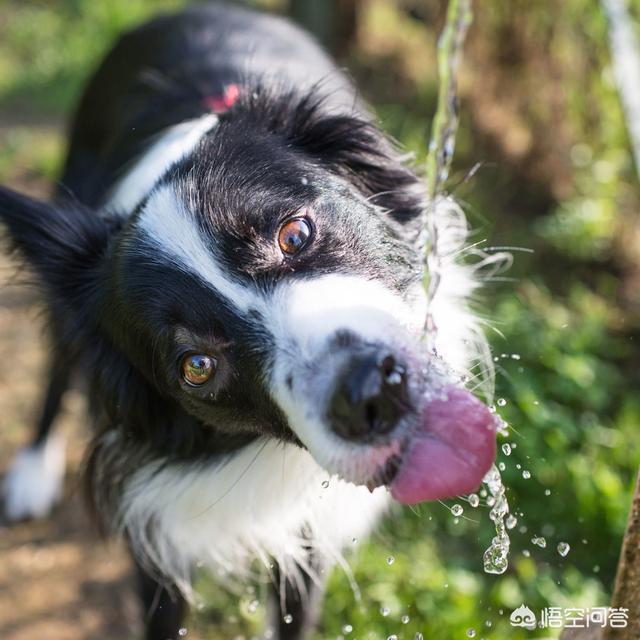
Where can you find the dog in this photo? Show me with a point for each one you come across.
(233, 263)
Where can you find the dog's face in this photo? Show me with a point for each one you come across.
(267, 294)
(268, 285)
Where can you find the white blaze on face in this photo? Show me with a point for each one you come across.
(168, 225)
(305, 317)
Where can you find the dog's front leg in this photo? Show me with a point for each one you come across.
(296, 607)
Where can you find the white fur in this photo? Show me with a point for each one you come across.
(174, 232)
(34, 483)
(311, 310)
(458, 336)
(303, 317)
(171, 146)
(252, 504)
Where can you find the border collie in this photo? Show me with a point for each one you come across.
(232, 263)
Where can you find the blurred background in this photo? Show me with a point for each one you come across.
(542, 117)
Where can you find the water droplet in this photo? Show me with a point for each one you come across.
(596, 568)
(182, 632)
(418, 636)
(526, 553)
(506, 449)
(488, 623)
(354, 540)
(347, 629)
(390, 560)
(501, 402)
(502, 466)
(457, 510)
(253, 606)
(515, 356)
(511, 521)
(514, 445)
(539, 541)
(288, 618)
(325, 484)
(526, 474)
(393, 637)
(405, 619)
(471, 633)
(384, 611)
(563, 548)
(474, 501)
(547, 492)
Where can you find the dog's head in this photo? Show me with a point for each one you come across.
(268, 284)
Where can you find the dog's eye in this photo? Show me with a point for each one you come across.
(197, 368)
(294, 235)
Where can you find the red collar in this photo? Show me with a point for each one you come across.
(220, 104)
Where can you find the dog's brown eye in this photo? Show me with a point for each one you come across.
(294, 235)
(197, 368)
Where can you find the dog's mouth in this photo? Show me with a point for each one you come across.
(447, 452)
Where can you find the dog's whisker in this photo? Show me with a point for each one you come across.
(230, 488)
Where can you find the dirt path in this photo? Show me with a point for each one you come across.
(58, 581)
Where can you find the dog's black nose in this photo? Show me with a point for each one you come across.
(370, 397)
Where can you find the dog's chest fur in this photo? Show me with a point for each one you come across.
(269, 501)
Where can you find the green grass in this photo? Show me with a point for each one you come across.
(571, 391)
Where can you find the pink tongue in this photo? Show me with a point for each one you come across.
(452, 452)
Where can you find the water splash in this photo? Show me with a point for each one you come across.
(539, 541)
(496, 557)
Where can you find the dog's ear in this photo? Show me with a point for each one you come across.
(359, 151)
(63, 243)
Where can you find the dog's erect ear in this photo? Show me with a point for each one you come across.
(63, 243)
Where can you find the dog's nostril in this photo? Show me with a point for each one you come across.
(371, 414)
(393, 372)
(388, 365)
(370, 397)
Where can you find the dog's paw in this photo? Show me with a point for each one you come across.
(34, 482)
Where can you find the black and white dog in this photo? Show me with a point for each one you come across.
(232, 265)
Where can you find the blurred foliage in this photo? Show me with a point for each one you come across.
(540, 110)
